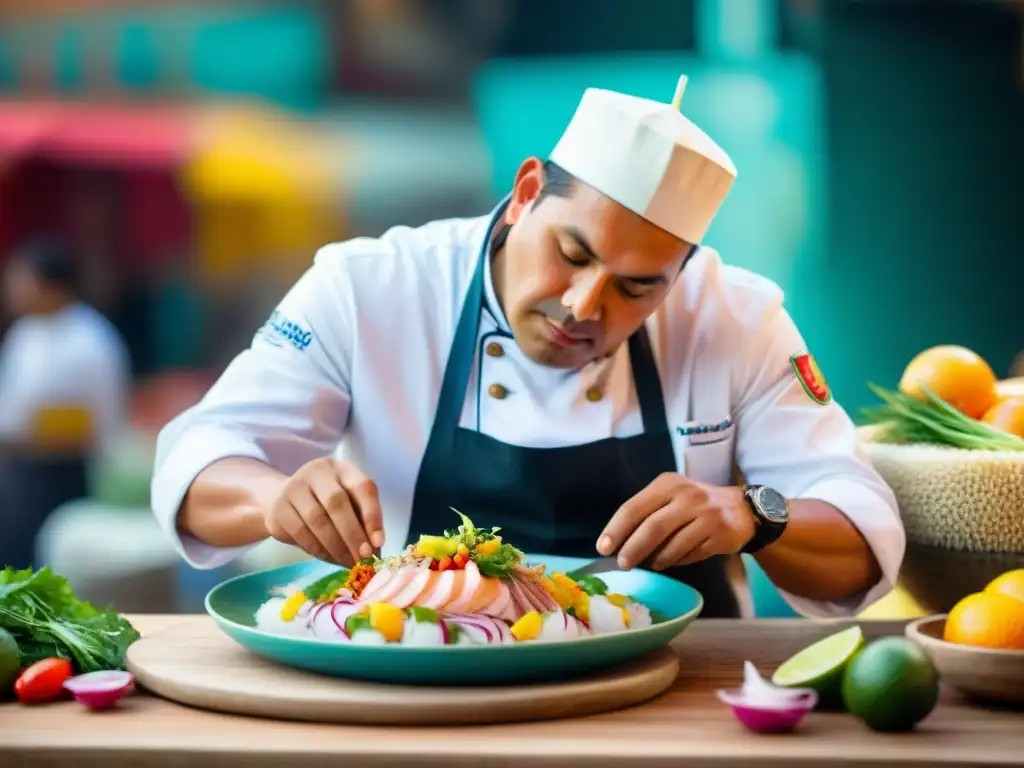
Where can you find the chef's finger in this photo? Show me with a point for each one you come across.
(287, 517)
(363, 493)
(631, 514)
(652, 532)
(340, 515)
(688, 545)
(320, 522)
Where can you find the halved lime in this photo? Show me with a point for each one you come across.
(821, 666)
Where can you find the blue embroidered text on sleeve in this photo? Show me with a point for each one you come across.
(278, 329)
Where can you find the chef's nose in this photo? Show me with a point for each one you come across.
(584, 296)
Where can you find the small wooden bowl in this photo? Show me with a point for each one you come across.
(985, 674)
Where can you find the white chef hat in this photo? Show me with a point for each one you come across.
(649, 158)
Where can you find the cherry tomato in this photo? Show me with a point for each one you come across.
(43, 681)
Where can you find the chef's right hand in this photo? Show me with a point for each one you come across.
(331, 510)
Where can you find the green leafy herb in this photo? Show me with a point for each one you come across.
(657, 617)
(325, 587)
(590, 584)
(499, 563)
(906, 420)
(40, 610)
(468, 533)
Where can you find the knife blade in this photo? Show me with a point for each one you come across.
(600, 565)
(610, 563)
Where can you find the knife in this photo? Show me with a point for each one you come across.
(608, 564)
(601, 565)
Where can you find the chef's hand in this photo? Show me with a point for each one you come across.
(330, 509)
(679, 521)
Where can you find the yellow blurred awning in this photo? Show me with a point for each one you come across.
(244, 153)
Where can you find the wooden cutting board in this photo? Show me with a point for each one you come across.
(192, 662)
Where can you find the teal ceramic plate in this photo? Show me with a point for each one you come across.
(233, 604)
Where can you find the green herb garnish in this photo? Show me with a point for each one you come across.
(903, 419)
(590, 584)
(500, 563)
(497, 564)
(423, 614)
(325, 587)
(40, 610)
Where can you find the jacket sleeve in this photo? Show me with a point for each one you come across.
(284, 400)
(806, 449)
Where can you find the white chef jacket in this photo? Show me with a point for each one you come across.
(351, 363)
(74, 357)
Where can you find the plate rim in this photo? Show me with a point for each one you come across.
(682, 619)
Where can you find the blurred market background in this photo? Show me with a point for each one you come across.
(196, 154)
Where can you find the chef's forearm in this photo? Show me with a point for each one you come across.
(225, 505)
(821, 556)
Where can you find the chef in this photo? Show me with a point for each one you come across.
(577, 367)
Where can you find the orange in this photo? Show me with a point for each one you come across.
(987, 620)
(955, 374)
(1010, 584)
(1008, 415)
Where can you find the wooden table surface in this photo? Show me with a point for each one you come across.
(688, 725)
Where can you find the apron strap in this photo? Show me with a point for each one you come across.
(647, 382)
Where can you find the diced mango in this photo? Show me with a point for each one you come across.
(488, 547)
(565, 582)
(528, 627)
(388, 620)
(558, 591)
(619, 600)
(581, 606)
(462, 550)
(291, 606)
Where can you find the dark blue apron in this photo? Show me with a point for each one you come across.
(547, 500)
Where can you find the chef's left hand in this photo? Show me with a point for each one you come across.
(679, 521)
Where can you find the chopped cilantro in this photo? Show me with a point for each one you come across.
(326, 586)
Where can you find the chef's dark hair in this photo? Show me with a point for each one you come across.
(558, 182)
(51, 260)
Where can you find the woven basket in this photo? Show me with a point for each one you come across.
(969, 501)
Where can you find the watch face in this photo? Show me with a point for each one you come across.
(772, 505)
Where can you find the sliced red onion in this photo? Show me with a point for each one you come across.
(99, 690)
(477, 631)
(322, 622)
(340, 613)
(444, 632)
(766, 708)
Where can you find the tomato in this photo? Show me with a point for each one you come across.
(43, 681)
(444, 564)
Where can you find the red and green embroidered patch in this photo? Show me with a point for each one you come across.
(811, 377)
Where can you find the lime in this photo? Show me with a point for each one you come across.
(821, 666)
(10, 662)
(891, 685)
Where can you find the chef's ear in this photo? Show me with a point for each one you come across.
(528, 185)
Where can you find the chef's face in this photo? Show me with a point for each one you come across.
(579, 273)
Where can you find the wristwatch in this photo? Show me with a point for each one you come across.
(771, 515)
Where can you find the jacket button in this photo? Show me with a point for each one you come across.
(494, 349)
(594, 394)
(497, 391)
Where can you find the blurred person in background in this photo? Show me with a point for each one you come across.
(64, 389)
(577, 367)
